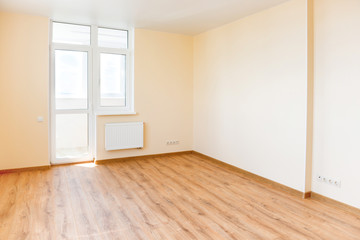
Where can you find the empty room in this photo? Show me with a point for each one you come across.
(175, 120)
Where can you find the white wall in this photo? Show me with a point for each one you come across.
(337, 99)
(250, 93)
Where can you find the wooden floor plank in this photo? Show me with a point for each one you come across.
(190, 205)
(8, 197)
(273, 213)
(181, 197)
(310, 215)
(65, 226)
(160, 204)
(85, 221)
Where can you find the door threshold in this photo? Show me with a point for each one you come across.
(71, 163)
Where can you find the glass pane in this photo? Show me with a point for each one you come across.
(112, 80)
(70, 33)
(112, 38)
(71, 72)
(72, 136)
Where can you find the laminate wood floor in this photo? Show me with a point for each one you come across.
(174, 197)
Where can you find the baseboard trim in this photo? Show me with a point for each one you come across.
(307, 195)
(262, 180)
(15, 170)
(104, 161)
(99, 162)
(334, 203)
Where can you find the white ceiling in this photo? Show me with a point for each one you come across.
(179, 16)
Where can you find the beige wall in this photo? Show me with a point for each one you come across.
(24, 78)
(250, 93)
(337, 99)
(163, 94)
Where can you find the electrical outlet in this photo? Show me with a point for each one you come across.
(330, 181)
(337, 183)
(319, 178)
(172, 142)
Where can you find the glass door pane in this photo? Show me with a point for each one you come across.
(72, 115)
(71, 84)
(72, 138)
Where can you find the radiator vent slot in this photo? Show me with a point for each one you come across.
(124, 135)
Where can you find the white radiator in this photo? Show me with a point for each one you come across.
(124, 135)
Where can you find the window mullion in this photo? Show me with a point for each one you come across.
(96, 66)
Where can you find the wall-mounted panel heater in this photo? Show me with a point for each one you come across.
(124, 135)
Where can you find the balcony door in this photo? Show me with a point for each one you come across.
(72, 118)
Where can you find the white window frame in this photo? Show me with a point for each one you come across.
(128, 109)
(94, 109)
(94, 73)
(54, 111)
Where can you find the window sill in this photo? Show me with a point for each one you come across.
(114, 113)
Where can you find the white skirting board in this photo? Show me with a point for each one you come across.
(125, 135)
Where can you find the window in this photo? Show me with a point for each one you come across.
(101, 55)
(71, 34)
(112, 38)
(112, 80)
(90, 75)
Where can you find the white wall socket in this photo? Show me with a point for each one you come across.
(331, 181)
(172, 142)
(40, 119)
